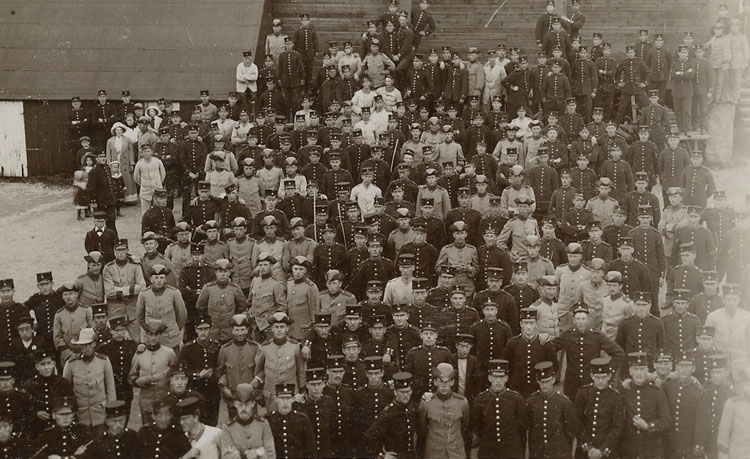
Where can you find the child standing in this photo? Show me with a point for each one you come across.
(114, 167)
(80, 181)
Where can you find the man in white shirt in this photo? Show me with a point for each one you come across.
(366, 192)
(732, 325)
(247, 79)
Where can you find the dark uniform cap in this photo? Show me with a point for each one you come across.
(335, 361)
(204, 185)
(400, 307)
(680, 294)
(7, 369)
(203, 321)
(465, 338)
(25, 320)
(594, 224)
(528, 314)
(544, 370)
(373, 363)
(99, 308)
(117, 322)
(187, 406)
(429, 326)
(600, 366)
(322, 318)
(315, 374)
(687, 247)
(520, 267)
(402, 380)
(420, 283)
(446, 270)
(354, 309)
(44, 277)
(663, 355)
(579, 307)
(638, 359)
(283, 390)
(43, 353)
(498, 367)
(406, 259)
(641, 297)
(717, 361)
(494, 273)
(731, 289)
(373, 285)
(59, 403)
(706, 330)
(196, 248)
(685, 356)
(625, 242)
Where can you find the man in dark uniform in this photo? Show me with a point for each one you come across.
(649, 250)
(682, 394)
(632, 79)
(581, 345)
(376, 268)
(601, 413)
(44, 304)
(200, 212)
(642, 331)
(656, 117)
(711, 405)
(617, 230)
(118, 441)
(499, 420)
(425, 254)
(423, 359)
(647, 415)
(191, 154)
(23, 347)
(553, 424)
(369, 401)
(292, 430)
(403, 336)
(320, 409)
(66, 438)
(193, 278)
(342, 396)
(10, 313)
(120, 351)
(637, 274)
(42, 389)
(293, 74)
(199, 358)
(162, 436)
(394, 429)
(102, 116)
(327, 255)
(521, 291)
(159, 219)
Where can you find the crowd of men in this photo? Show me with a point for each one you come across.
(415, 277)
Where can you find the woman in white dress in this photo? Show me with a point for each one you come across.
(121, 148)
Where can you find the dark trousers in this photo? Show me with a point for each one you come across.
(292, 96)
(111, 217)
(584, 108)
(551, 105)
(683, 111)
(699, 112)
(189, 191)
(605, 98)
(655, 278)
(624, 109)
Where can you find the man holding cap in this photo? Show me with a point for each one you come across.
(498, 416)
(68, 322)
(41, 389)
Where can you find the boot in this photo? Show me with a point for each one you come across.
(87, 213)
(79, 214)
